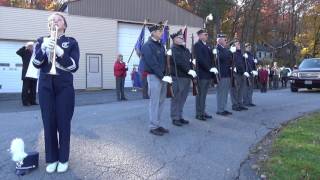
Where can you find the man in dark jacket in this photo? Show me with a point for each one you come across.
(205, 70)
(154, 57)
(181, 72)
(252, 70)
(240, 74)
(225, 61)
(29, 86)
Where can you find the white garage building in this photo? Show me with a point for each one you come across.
(101, 36)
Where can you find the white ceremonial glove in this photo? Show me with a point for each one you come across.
(192, 73)
(169, 52)
(245, 55)
(167, 79)
(214, 70)
(233, 49)
(48, 43)
(59, 51)
(246, 74)
(255, 73)
(214, 51)
(194, 61)
(255, 61)
(235, 70)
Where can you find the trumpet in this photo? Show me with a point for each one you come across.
(52, 56)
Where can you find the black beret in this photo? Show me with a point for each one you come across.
(202, 31)
(155, 27)
(233, 42)
(221, 36)
(179, 33)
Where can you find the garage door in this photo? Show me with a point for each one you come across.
(127, 38)
(10, 67)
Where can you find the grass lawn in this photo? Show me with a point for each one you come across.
(295, 153)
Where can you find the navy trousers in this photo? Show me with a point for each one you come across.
(56, 98)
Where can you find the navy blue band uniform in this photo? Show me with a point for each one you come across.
(56, 97)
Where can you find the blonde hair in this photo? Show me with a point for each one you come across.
(57, 14)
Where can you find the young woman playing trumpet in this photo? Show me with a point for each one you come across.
(57, 57)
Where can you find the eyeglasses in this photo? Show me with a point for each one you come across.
(180, 37)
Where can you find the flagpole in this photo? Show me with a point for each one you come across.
(144, 25)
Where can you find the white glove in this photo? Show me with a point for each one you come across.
(246, 74)
(233, 49)
(167, 79)
(255, 73)
(235, 70)
(194, 61)
(59, 51)
(255, 61)
(48, 43)
(192, 73)
(169, 52)
(214, 70)
(245, 55)
(214, 51)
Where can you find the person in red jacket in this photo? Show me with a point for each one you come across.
(120, 71)
(263, 78)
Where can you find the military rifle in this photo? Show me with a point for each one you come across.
(194, 80)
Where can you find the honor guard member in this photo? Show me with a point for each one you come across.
(154, 57)
(252, 70)
(239, 78)
(56, 92)
(204, 55)
(225, 61)
(181, 72)
(29, 85)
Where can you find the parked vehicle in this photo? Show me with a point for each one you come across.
(306, 76)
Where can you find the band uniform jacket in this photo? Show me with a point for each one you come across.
(65, 65)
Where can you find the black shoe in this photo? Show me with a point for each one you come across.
(156, 132)
(34, 103)
(243, 108)
(26, 104)
(183, 121)
(177, 122)
(252, 105)
(222, 113)
(164, 130)
(124, 99)
(207, 116)
(201, 118)
(236, 109)
(228, 113)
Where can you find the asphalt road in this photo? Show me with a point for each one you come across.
(111, 140)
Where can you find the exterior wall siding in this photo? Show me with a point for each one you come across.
(135, 10)
(94, 35)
